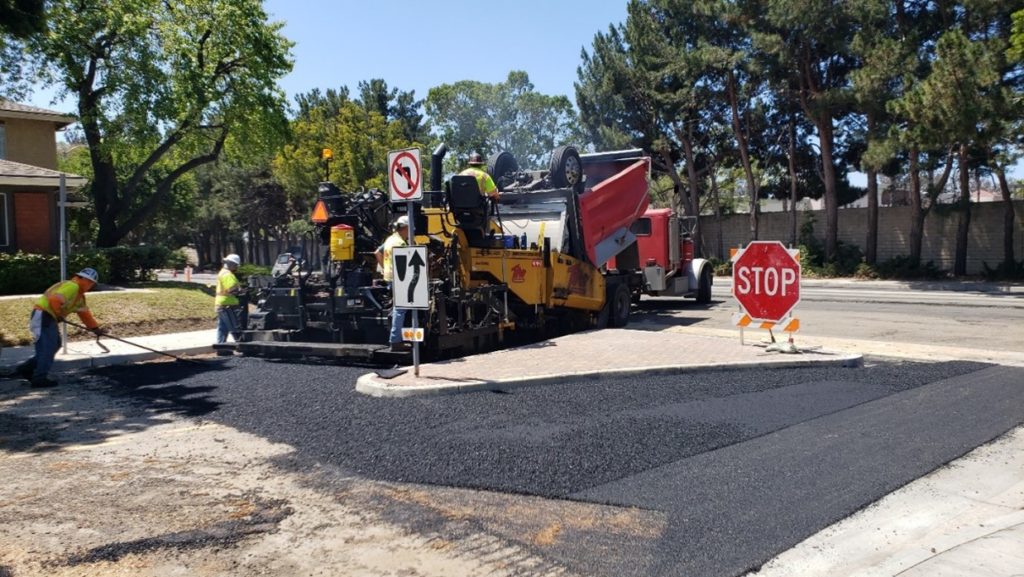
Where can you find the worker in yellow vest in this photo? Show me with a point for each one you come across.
(59, 301)
(483, 180)
(226, 301)
(384, 259)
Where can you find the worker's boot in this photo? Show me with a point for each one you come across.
(43, 382)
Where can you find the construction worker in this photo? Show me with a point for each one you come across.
(226, 301)
(384, 259)
(483, 180)
(53, 306)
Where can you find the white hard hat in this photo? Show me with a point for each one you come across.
(402, 221)
(233, 259)
(89, 274)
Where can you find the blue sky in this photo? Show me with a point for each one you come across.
(418, 45)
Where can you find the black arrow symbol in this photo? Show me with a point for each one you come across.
(400, 262)
(416, 262)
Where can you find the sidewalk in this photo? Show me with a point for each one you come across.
(86, 354)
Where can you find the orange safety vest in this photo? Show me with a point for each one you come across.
(64, 298)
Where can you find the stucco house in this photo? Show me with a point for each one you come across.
(29, 180)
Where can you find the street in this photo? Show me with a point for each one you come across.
(710, 473)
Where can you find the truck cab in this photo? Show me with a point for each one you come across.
(665, 247)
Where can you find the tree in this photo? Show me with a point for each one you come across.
(359, 139)
(643, 83)
(394, 104)
(809, 42)
(509, 116)
(160, 87)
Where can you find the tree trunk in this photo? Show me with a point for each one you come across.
(792, 183)
(871, 242)
(825, 133)
(1009, 223)
(718, 213)
(693, 197)
(917, 213)
(963, 225)
(741, 144)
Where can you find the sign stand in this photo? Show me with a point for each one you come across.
(766, 286)
(415, 313)
(405, 183)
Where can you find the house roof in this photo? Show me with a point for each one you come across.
(10, 109)
(18, 174)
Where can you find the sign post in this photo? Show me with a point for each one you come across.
(766, 284)
(405, 184)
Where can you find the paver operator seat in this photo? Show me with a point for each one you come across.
(469, 208)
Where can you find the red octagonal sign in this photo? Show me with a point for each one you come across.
(766, 280)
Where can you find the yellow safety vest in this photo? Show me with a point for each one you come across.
(74, 301)
(395, 240)
(483, 180)
(226, 280)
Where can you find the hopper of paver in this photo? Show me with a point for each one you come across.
(594, 224)
(614, 198)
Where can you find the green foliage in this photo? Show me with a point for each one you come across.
(133, 264)
(1002, 272)
(721, 267)
(247, 270)
(26, 274)
(813, 263)
(902, 268)
(162, 88)
(177, 259)
(470, 115)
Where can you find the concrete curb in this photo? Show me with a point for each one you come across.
(113, 359)
(375, 386)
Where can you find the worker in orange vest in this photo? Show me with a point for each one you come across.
(59, 301)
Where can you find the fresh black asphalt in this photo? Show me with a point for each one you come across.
(744, 463)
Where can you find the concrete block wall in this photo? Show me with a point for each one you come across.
(985, 244)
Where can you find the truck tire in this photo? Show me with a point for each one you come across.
(704, 287)
(618, 305)
(500, 164)
(566, 168)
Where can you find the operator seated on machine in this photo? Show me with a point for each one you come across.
(483, 180)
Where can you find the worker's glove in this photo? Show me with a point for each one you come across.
(100, 331)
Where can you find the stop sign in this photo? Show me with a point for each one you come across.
(766, 280)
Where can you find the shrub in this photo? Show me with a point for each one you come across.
(247, 270)
(721, 267)
(900, 267)
(1001, 272)
(25, 273)
(177, 259)
(135, 263)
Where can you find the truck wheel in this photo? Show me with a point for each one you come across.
(618, 305)
(704, 287)
(566, 168)
(500, 164)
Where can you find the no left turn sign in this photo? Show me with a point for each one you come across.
(405, 180)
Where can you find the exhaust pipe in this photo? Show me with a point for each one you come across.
(437, 166)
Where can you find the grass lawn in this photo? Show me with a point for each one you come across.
(165, 307)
